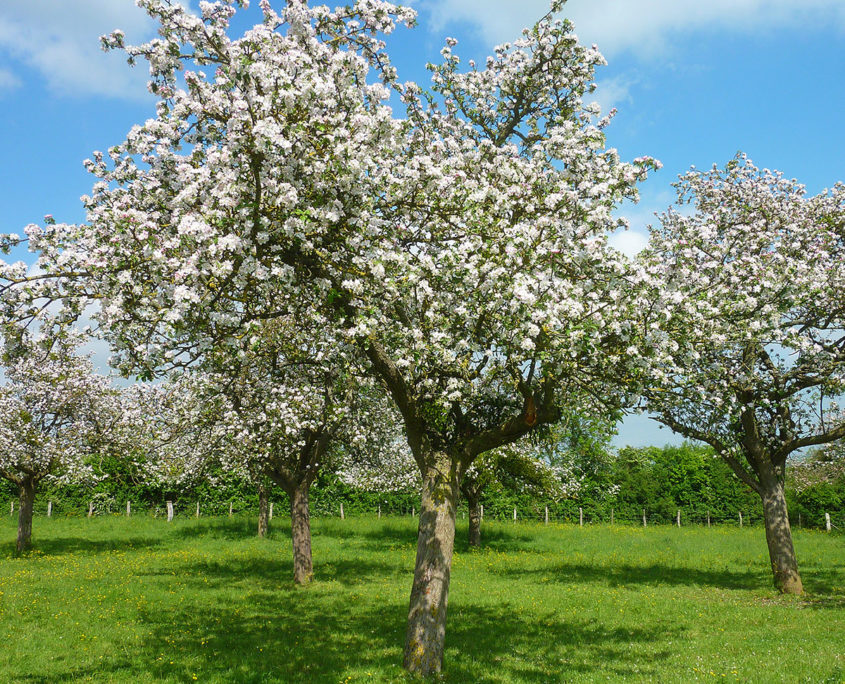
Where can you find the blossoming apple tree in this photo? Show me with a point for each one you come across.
(460, 248)
(287, 411)
(749, 289)
(54, 412)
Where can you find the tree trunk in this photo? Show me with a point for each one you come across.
(426, 634)
(779, 537)
(300, 521)
(27, 500)
(263, 510)
(474, 521)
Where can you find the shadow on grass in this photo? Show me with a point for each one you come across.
(309, 635)
(276, 573)
(69, 545)
(231, 529)
(309, 639)
(385, 533)
(655, 574)
(495, 539)
(268, 629)
(494, 640)
(375, 535)
(242, 527)
(825, 587)
(388, 535)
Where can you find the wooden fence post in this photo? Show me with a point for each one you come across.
(514, 514)
(342, 517)
(482, 511)
(49, 509)
(547, 515)
(270, 517)
(413, 512)
(90, 508)
(708, 518)
(827, 521)
(169, 511)
(644, 523)
(580, 517)
(379, 511)
(740, 518)
(12, 512)
(230, 509)
(198, 509)
(611, 516)
(679, 517)
(128, 508)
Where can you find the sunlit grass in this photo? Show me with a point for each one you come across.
(116, 599)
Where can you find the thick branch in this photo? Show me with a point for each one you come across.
(511, 430)
(812, 440)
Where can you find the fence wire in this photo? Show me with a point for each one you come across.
(191, 508)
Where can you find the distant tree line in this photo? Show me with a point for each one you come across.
(658, 480)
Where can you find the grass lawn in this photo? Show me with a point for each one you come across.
(112, 599)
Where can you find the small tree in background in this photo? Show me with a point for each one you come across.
(54, 413)
(284, 409)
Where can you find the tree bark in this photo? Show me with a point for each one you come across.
(779, 537)
(474, 521)
(27, 500)
(263, 510)
(300, 521)
(425, 639)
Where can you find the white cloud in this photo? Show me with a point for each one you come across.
(8, 81)
(612, 92)
(60, 40)
(629, 242)
(645, 27)
(654, 200)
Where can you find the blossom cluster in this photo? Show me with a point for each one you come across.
(54, 411)
(746, 289)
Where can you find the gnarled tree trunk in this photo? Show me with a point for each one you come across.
(426, 635)
(263, 510)
(779, 536)
(27, 501)
(300, 521)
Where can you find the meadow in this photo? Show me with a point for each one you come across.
(111, 599)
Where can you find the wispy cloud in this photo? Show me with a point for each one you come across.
(613, 92)
(645, 27)
(629, 242)
(60, 40)
(654, 200)
(8, 81)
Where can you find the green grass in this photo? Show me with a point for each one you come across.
(137, 600)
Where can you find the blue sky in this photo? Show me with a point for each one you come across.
(694, 82)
